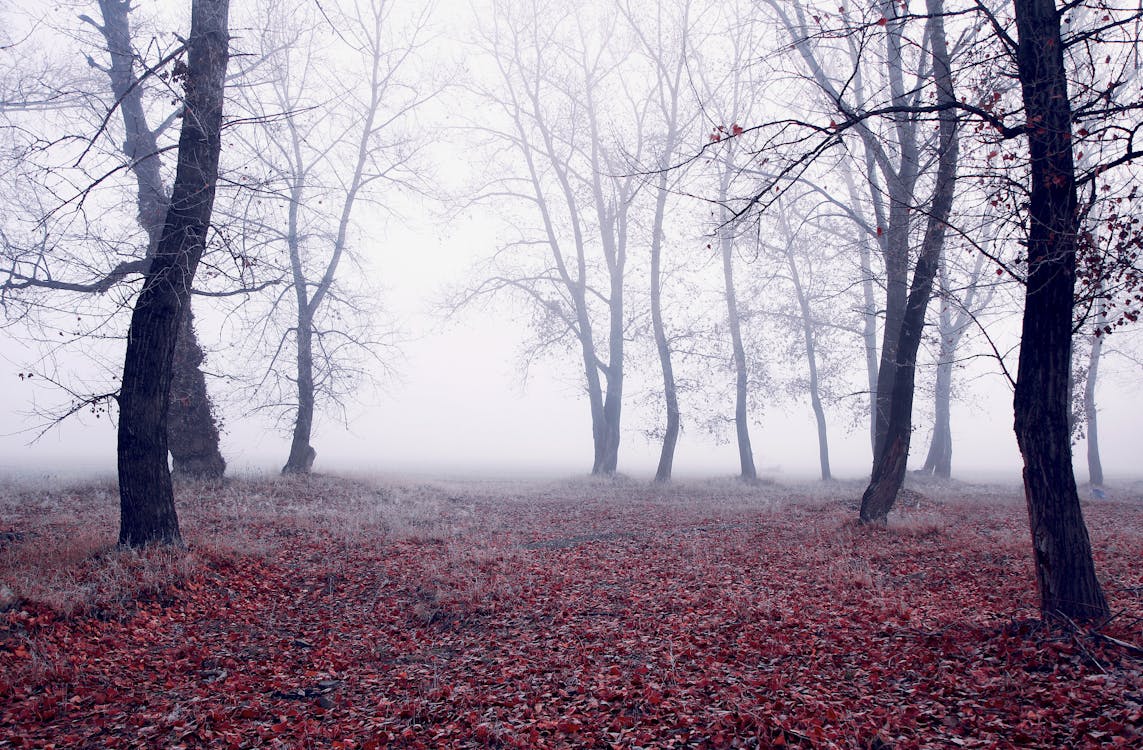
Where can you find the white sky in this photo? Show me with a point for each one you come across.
(459, 405)
(459, 408)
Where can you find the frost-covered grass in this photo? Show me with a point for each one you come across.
(565, 613)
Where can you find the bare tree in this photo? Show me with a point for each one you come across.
(809, 333)
(728, 87)
(556, 72)
(1091, 413)
(1064, 567)
(334, 109)
(958, 309)
(193, 434)
(896, 155)
(890, 465)
(665, 40)
(147, 508)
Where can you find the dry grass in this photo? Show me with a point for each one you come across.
(57, 538)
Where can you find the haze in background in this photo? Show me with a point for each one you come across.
(459, 405)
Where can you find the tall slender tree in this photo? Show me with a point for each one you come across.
(666, 43)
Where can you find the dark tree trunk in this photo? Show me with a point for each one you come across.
(1065, 571)
(192, 433)
(890, 465)
(901, 189)
(147, 509)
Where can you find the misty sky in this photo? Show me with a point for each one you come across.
(456, 401)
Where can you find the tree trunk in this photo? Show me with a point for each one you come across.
(192, 433)
(1061, 548)
(608, 455)
(889, 468)
(747, 470)
(811, 362)
(302, 454)
(938, 462)
(1094, 465)
(147, 509)
(670, 392)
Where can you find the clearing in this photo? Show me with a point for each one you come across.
(340, 613)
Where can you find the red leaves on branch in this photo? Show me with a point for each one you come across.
(622, 616)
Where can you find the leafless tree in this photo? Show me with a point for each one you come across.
(134, 85)
(665, 34)
(557, 70)
(332, 101)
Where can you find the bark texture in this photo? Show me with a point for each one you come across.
(1065, 572)
(147, 509)
(192, 433)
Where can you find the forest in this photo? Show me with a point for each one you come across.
(698, 214)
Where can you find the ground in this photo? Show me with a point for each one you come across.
(331, 613)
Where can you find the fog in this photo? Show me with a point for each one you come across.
(462, 395)
(458, 406)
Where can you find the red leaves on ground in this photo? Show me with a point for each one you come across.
(592, 615)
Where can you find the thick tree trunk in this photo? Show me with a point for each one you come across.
(889, 468)
(147, 509)
(192, 433)
(901, 188)
(1061, 548)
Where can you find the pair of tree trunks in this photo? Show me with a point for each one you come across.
(147, 509)
(192, 433)
(1065, 571)
(893, 441)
